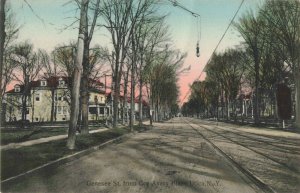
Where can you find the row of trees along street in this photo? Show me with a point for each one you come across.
(242, 82)
(141, 56)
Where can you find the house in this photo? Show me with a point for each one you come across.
(98, 108)
(48, 99)
(145, 106)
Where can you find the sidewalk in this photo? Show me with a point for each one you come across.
(42, 140)
(48, 139)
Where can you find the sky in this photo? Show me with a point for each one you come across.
(45, 26)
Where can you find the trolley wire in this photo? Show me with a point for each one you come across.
(231, 21)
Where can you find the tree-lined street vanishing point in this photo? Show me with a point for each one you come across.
(181, 155)
(150, 96)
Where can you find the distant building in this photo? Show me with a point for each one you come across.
(49, 99)
(145, 106)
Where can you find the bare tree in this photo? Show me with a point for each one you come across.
(226, 70)
(251, 29)
(86, 65)
(150, 37)
(125, 93)
(162, 75)
(64, 57)
(283, 19)
(155, 43)
(9, 32)
(28, 66)
(121, 18)
(77, 76)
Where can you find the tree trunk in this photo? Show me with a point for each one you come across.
(151, 106)
(125, 103)
(297, 97)
(77, 77)
(52, 105)
(228, 109)
(86, 70)
(24, 98)
(2, 40)
(85, 90)
(157, 111)
(140, 101)
(256, 91)
(116, 101)
(132, 96)
(32, 107)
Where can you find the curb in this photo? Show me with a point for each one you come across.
(63, 160)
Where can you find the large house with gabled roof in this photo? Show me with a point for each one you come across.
(48, 99)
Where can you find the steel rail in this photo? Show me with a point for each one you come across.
(259, 184)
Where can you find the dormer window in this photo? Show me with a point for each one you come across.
(43, 83)
(61, 82)
(17, 88)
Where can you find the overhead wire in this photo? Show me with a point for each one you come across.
(231, 21)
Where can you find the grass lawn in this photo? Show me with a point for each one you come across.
(17, 136)
(17, 161)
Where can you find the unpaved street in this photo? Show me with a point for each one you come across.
(271, 156)
(171, 157)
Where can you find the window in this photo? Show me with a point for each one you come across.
(43, 83)
(36, 119)
(59, 110)
(59, 98)
(17, 88)
(65, 110)
(62, 110)
(93, 110)
(102, 111)
(95, 99)
(37, 96)
(27, 111)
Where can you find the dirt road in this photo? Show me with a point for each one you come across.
(170, 158)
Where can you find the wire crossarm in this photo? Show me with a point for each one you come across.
(176, 4)
(197, 16)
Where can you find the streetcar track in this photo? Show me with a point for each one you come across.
(279, 147)
(276, 140)
(292, 169)
(259, 140)
(237, 167)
